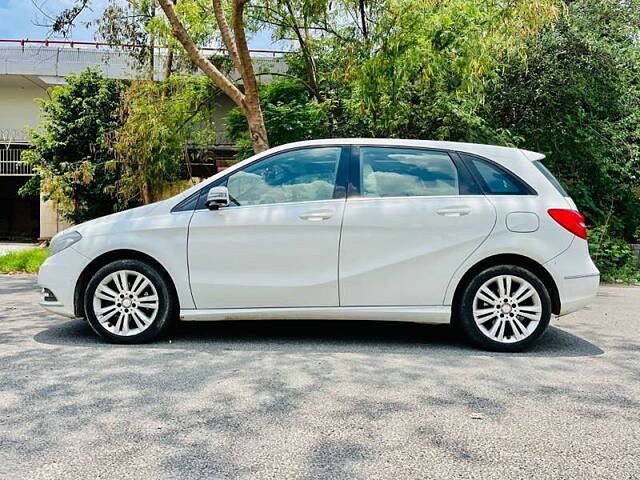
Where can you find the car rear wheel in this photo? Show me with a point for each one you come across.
(505, 308)
(129, 301)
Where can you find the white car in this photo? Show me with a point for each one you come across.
(357, 229)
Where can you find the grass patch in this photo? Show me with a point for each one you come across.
(23, 261)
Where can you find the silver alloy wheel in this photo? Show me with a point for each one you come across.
(126, 303)
(507, 308)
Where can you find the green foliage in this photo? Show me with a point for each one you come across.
(425, 67)
(69, 153)
(559, 80)
(289, 115)
(159, 119)
(577, 100)
(24, 261)
(129, 23)
(613, 257)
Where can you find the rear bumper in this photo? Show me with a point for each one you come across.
(59, 274)
(576, 276)
(578, 292)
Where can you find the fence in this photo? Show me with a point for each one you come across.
(60, 58)
(11, 163)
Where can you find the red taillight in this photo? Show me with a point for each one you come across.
(572, 220)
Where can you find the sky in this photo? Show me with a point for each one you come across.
(21, 19)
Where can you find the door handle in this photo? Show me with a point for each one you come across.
(316, 215)
(454, 211)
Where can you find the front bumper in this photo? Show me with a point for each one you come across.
(576, 276)
(59, 274)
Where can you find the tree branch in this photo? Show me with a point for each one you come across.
(228, 40)
(198, 58)
(306, 53)
(247, 73)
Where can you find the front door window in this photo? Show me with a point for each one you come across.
(297, 176)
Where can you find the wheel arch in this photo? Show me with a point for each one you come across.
(108, 257)
(519, 261)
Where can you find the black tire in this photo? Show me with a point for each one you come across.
(472, 331)
(167, 302)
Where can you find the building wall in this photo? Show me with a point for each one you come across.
(51, 222)
(18, 107)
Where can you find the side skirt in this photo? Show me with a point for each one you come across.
(421, 314)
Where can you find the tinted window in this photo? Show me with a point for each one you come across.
(496, 180)
(549, 176)
(296, 176)
(403, 172)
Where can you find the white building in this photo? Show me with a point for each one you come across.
(27, 71)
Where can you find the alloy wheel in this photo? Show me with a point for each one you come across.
(507, 309)
(126, 302)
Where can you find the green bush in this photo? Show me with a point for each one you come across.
(613, 257)
(290, 115)
(68, 149)
(25, 261)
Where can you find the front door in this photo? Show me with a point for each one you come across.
(410, 228)
(277, 244)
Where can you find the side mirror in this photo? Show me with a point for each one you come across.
(217, 197)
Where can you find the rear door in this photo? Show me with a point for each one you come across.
(414, 217)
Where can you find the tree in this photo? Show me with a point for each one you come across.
(159, 121)
(317, 26)
(69, 153)
(296, 20)
(192, 13)
(426, 66)
(290, 115)
(129, 24)
(235, 41)
(405, 68)
(577, 100)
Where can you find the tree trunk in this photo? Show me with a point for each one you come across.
(309, 61)
(152, 66)
(168, 66)
(249, 101)
(257, 130)
(146, 194)
(363, 19)
(152, 52)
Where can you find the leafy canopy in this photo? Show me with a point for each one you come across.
(69, 154)
(160, 121)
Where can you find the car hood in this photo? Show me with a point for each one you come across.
(117, 222)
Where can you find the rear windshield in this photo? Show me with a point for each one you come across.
(549, 176)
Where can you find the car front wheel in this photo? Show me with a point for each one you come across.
(505, 308)
(129, 301)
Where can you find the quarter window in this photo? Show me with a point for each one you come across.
(496, 180)
(549, 176)
(404, 172)
(296, 176)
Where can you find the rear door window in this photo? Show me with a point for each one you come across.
(406, 172)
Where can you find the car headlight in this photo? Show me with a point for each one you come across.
(60, 242)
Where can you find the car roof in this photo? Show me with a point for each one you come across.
(491, 151)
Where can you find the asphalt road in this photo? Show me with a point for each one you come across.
(318, 399)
